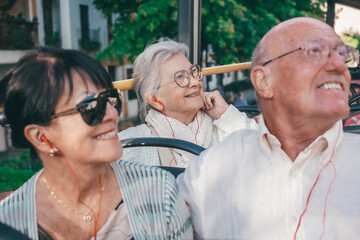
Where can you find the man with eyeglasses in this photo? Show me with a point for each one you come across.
(296, 177)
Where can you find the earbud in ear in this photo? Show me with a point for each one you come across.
(53, 150)
(158, 101)
(42, 137)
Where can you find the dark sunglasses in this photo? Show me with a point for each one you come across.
(93, 108)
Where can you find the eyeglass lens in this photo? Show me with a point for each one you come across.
(93, 108)
(182, 77)
(318, 52)
(353, 57)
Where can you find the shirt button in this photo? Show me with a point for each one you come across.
(294, 219)
(294, 174)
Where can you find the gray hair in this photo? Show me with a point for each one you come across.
(258, 58)
(147, 69)
(259, 54)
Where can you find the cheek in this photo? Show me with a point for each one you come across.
(71, 131)
(176, 95)
(296, 82)
(202, 93)
(201, 85)
(76, 138)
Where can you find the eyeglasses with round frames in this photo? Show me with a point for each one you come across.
(93, 108)
(319, 52)
(182, 77)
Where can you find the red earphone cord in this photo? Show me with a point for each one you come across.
(173, 134)
(96, 216)
(327, 194)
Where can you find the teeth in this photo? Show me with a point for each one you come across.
(192, 95)
(331, 86)
(106, 135)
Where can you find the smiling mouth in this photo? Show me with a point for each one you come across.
(331, 86)
(106, 135)
(192, 95)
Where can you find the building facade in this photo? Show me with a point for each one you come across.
(27, 24)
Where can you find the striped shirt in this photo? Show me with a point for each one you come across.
(154, 206)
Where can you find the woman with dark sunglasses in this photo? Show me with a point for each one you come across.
(173, 104)
(61, 104)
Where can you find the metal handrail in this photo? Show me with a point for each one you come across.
(128, 83)
(162, 142)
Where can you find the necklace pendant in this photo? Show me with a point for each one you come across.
(87, 218)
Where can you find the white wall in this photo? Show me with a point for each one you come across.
(11, 56)
(71, 27)
(348, 19)
(56, 16)
(98, 22)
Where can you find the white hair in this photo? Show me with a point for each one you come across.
(147, 69)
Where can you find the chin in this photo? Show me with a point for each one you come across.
(336, 109)
(194, 110)
(118, 153)
(338, 113)
(345, 114)
(113, 158)
(112, 154)
(343, 110)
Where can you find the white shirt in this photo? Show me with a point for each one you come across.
(248, 188)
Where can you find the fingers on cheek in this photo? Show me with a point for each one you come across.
(210, 104)
(206, 101)
(207, 104)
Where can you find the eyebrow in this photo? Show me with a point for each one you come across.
(86, 94)
(184, 69)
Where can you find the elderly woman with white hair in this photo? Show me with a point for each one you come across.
(173, 104)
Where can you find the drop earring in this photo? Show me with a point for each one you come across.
(53, 150)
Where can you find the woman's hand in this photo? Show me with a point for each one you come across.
(214, 104)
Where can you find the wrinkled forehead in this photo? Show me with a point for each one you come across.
(292, 34)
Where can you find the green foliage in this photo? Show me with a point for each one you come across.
(232, 27)
(139, 23)
(6, 7)
(11, 179)
(89, 46)
(53, 40)
(352, 39)
(14, 171)
(238, 86)
(17, 33)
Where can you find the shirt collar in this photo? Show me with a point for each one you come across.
(328, 140)
(267, 140)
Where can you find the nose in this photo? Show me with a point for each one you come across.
(111, 113)
(194, 81)
(336, 62)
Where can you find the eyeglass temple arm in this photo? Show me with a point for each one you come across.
(283, 55)
(67, 112)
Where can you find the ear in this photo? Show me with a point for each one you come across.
(261, 82)
(154, 101)
(31, 133)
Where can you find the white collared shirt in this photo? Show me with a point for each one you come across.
(248, 188)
